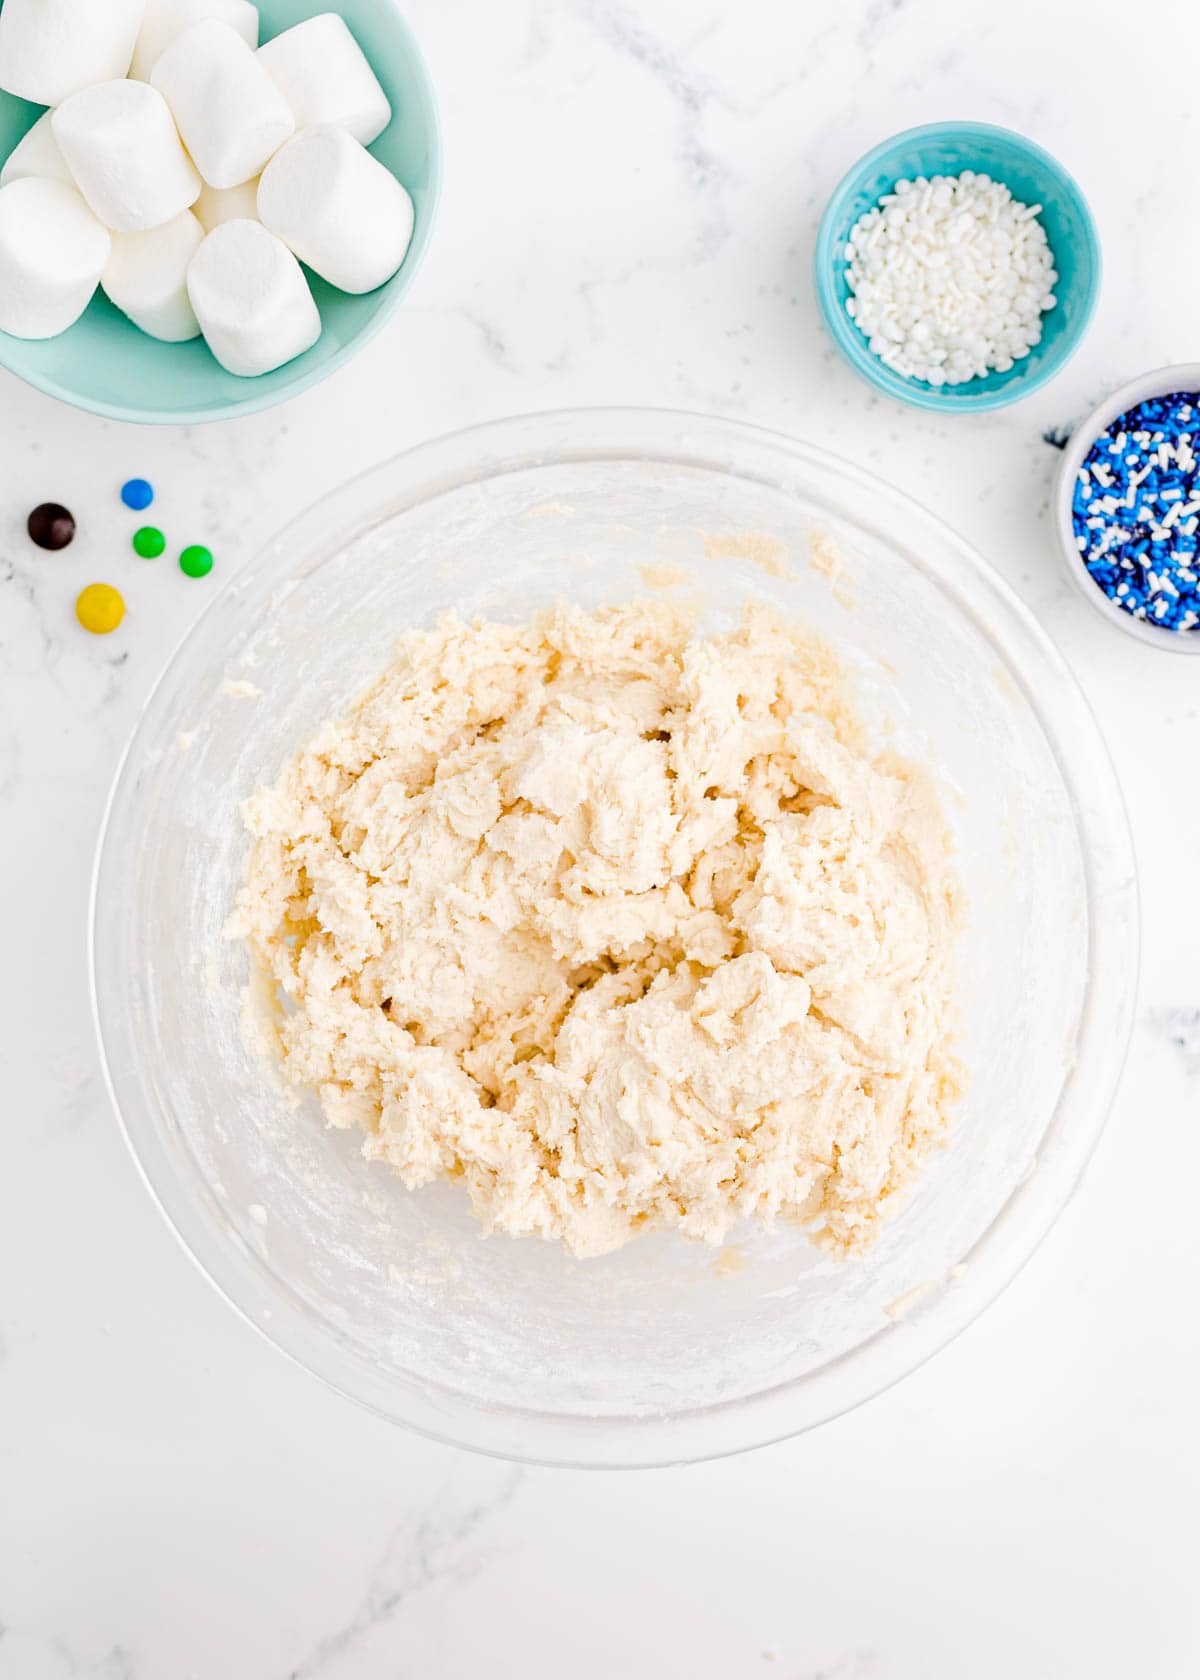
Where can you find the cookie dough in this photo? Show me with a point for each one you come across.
(622, 925)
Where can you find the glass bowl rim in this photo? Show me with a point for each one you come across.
(493, 449)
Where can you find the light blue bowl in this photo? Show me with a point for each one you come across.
(1034, 177)
(103, 363)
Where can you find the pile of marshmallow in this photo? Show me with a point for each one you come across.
(185, 169)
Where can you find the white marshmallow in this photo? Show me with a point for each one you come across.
(338, 208)
(50, 49)
(227, 204)
(146, 277)
(52, 251)
(37, 154)
(251, 299)
(230, 113)
(165, 19)
(323, 75)
(120, 144)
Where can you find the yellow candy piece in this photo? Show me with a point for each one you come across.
(100, 608)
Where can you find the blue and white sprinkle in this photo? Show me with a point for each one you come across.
(1136, 511)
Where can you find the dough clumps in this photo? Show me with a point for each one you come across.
(621, 925)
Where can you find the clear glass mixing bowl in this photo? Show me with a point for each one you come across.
(661, 1352)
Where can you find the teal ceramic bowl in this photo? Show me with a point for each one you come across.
(103, 363)
(1032, 176)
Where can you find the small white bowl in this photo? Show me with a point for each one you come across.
(1182, 376)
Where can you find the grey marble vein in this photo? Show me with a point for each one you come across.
(1180, 1028)
(53, 1658)
(855, 1665)
(24, 585)
(431, 1546)
(492, 340)
(706, 173)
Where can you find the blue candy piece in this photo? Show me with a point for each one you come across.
(137, 494)
(1136, 511)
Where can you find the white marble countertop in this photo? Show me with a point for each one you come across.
(632, 193)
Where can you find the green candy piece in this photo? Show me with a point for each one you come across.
(196, 561)
(149, 542)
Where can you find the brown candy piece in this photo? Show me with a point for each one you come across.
(51, 525)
